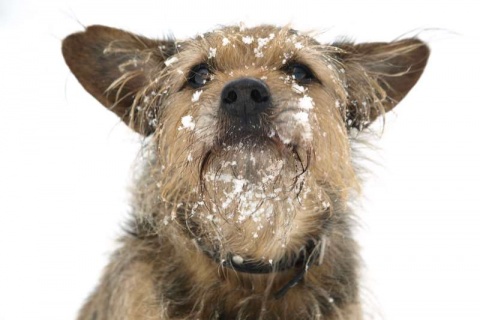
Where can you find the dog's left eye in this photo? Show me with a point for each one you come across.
(301, 73)
(199, 76)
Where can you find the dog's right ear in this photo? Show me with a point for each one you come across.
(114, 66)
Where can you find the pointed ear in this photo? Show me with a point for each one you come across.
(115, 66)
(379, 76)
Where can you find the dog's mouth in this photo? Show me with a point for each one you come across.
(252, 149)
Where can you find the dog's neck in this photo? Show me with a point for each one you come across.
(194, 282)
(312, 253)
(223, 290)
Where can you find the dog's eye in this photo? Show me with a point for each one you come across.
(199, 76)
(301, 73)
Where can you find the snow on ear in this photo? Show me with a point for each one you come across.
(114, 66)
(379, 76)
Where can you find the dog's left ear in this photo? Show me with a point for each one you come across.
(379, 76)
(115, 66)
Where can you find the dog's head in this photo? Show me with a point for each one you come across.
(249, 127)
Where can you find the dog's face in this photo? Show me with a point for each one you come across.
(250, 127)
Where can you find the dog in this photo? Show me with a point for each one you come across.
(241, 208)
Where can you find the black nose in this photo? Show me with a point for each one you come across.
(245, 97)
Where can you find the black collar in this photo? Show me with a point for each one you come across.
(313, 252)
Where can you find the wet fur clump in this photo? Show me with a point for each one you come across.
(240, 217)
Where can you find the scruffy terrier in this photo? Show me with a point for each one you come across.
(240, 211)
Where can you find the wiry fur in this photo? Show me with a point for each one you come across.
(205, 187)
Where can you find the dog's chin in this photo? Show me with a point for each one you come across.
(249, 190)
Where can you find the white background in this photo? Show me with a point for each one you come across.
(65, 162)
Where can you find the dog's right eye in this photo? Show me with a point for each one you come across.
(199, 76)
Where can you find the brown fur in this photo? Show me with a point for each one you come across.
(203, 188)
